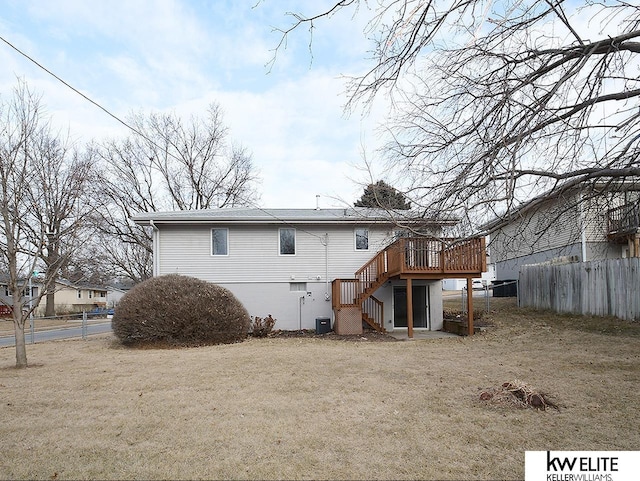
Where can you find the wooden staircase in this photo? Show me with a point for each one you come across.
(406, 258)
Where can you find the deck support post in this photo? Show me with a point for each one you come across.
(470, 305)
(634, 246)
(409, 308)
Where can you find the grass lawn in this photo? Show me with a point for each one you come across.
(298, 408)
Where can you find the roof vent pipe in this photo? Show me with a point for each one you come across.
(317, 201)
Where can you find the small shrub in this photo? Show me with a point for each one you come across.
(179, 310)
(262, 327)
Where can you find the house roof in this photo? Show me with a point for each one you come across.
(80, 285)
(4, 279)
(37, 280)
(351, 215)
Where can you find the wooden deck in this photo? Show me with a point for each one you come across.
(408, 258)
(623, 220)
(623, 225)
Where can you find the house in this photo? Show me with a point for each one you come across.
(580, 223)
(305, 265)
(6, 299)
(69, 297)
(114, 294)
(73, 297)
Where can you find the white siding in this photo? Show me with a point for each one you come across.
(254, 256)
(261, 278)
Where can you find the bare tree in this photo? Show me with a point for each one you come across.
(499, 101)
(167, 165)
(61, 178)
(21, 234)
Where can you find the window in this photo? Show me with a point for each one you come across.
(90, 294)
(362, 239)
(79, 294)
(287, 242)
(219, 242)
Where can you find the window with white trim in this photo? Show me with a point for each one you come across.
(287, 241)
(219, 242)
(362, 239)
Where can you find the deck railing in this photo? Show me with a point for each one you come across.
(623, 219)
(373, 312)
(412, 255)
(418, 256)
(345, 293)
(421, 255)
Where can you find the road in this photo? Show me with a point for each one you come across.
(63, 333)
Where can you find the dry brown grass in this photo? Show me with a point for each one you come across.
(288, 408)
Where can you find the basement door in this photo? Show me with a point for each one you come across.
(420, 307)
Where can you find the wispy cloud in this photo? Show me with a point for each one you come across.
(175, 56)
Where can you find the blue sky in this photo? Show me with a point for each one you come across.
(179, 56)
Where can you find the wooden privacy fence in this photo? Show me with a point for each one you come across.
(603, 288)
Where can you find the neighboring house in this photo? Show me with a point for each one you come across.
(6, 299)
(69, 297)
(304, 265)
(114, 294)
(76, 297)
(577, 225)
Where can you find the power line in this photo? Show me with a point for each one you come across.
(133, 129)
(31, 59)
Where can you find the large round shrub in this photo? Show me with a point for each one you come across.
(179, 311)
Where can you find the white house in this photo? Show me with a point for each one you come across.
(301, 265)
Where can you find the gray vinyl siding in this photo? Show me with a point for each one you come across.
(509, 269)
(521, 243)
(533, 234)
(253, 254)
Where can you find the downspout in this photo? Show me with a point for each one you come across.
(327, 297)
(583, 230)
(155, 248)
(300, 303)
